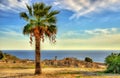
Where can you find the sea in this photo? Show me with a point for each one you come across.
(96, 55)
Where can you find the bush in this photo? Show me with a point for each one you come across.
(88, 59)
(1, 55)
(113, 63)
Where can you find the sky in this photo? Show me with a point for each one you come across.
(82, 25)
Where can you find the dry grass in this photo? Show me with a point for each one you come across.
(56, 73)
(16, 66)
(19, 70)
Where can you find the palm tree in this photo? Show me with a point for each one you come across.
(41, 24)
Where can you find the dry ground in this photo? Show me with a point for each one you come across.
(56, 73)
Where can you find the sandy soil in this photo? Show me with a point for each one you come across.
(56, 73)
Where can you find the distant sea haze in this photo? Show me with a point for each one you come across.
(96, 55)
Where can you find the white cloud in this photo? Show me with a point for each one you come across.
(99, 31)
(70, 34)
(13, 5)
(100, 39)
(85, 7)
(83, 34)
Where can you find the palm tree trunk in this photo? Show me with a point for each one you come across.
(37, 56)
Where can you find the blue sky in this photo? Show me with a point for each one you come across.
(82, 25)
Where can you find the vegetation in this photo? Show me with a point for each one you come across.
(56, 73)
(1, 55)
(41, 24)
(113, 63)
(88, 59)
(10, 57)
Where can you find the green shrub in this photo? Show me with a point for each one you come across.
(88, 59)
(113, 63)
(1, 55)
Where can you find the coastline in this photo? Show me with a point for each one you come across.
(50, 54)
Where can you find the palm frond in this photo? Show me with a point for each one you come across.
(52, 29)
(47, 9)
(27, 29)
(24, 16)
(29, 9)
(40, 17)
(51, 33)
(53, 13)
(32, 21)
(52, 20)
(39, 9)
(41, 6)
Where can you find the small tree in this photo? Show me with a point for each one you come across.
(113, 63)
(55, 57)
(88, 59)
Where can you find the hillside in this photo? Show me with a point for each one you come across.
(8, 58)
(72, 62)
(65, 62)
(5, 57)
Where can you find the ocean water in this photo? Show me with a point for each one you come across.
(96, 55)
